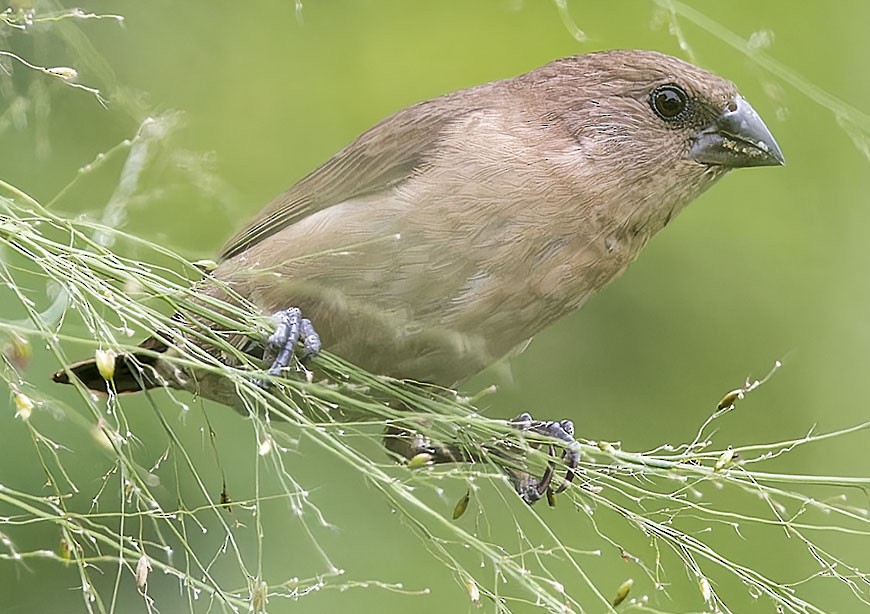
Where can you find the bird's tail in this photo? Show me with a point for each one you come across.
(134, 371)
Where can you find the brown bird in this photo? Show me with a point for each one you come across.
(458, 228)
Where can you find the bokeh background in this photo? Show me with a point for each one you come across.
(771, 264)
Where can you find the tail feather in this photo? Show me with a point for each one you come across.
(133, 371)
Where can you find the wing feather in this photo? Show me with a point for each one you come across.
(381, 158)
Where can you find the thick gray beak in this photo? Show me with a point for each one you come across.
(737, 138)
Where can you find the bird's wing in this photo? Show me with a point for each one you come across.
(381, 158)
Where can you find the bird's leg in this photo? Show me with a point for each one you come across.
(531, 488)
(290, 329)
(409, 444)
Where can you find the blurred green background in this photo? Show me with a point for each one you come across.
(771, 264)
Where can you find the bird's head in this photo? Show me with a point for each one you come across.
(653, 105)
(649, 123)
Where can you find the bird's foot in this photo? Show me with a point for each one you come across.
(419, 450)
(531, 488)
(290, 329)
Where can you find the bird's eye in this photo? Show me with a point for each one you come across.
(669, 101)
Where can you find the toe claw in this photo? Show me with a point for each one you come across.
(528, 487)
(571, 456)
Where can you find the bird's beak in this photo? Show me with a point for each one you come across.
(737, 138)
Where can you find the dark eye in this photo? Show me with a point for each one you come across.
(669, 101)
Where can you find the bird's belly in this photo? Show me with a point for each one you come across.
(401, 296)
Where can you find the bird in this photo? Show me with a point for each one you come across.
(458, 228)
